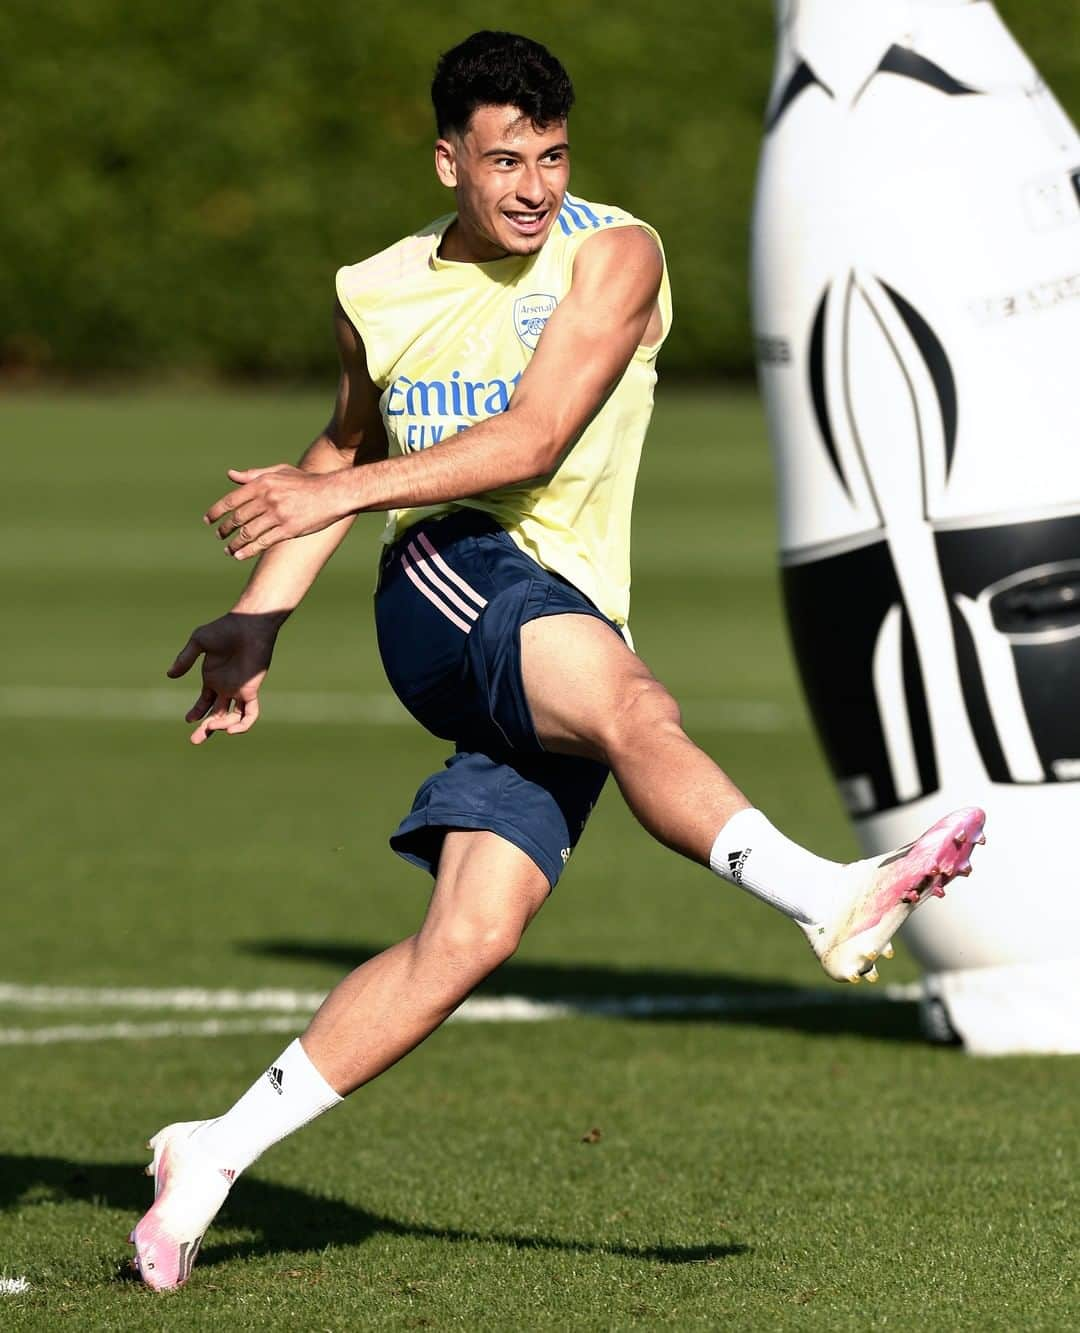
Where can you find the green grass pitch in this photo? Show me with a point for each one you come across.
(790, 1166)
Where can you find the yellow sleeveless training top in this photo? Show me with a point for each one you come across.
(446, 344)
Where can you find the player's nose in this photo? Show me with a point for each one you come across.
(530, 187)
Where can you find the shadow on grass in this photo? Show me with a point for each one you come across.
(285, 1220)
(828, 1010)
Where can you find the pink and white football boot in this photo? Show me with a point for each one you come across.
(877, 895)
(188, 1191)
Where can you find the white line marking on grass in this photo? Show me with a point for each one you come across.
(13, 1286)
(744, 715)
(107, 703)
(479, 1009)
(82, 1032)
(186, 998)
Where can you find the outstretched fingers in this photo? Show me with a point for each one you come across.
(236, 651)
(219, 707)
(253, 536)
(242, 495)
(218, 718)
(236, 518)
(202, 705)
(225, 506)
(245, 718)
(186, 658)
(246, 518)
(221, 712)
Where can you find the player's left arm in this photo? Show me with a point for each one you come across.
(586, 346)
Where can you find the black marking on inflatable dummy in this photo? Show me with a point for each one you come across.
(801, 78)
(937, 363)
(835, 609)
(909, 64)
(1036, 614)
(980, 714)
(918, 708)
(816, 364)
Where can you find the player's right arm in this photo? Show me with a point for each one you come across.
(237, 647)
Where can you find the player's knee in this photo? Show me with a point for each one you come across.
(476, 943)
(646, 710)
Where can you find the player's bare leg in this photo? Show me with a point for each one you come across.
(486, 893)
(590, 695)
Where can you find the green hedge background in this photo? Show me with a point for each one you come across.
(179, 182)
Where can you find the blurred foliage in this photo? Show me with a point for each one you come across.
(180, 181)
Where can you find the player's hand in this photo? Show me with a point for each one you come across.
(236, 651)
(273, 504)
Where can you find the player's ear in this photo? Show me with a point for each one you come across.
(446, 162)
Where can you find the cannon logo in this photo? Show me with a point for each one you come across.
(531, 313)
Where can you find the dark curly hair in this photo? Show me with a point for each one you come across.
(499, 69)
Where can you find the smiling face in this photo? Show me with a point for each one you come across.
(509, 179)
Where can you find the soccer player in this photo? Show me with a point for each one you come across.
(497, 379)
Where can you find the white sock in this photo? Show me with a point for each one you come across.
(749, 852)
(287, 1096)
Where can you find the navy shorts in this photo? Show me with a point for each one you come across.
(453, 595)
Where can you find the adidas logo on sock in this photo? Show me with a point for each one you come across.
(277, 1079)
(229, 1173)
(736, 862)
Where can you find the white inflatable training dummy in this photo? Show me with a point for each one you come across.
(916, 295)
